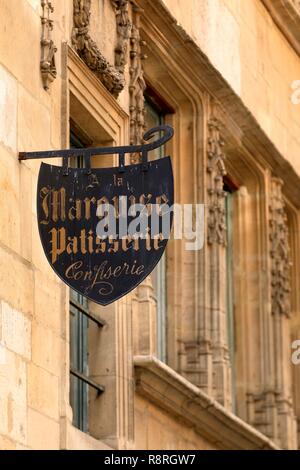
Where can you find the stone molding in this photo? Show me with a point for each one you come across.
(280, 252)
(114, 111)
(271, 412)
(216, 170)
(286, 15)
(144, 304)
(216, 240)
(173, 393)
(89, 52)
(124, 27)
(137, 84)
(48, 67)
(271, 409)
(240, 122)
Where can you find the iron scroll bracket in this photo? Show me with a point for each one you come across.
(166, 133)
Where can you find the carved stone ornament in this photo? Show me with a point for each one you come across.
(216, 170)
(89, 52)
(280, 251)
(123, 33)
(137, 84)
(48, 68)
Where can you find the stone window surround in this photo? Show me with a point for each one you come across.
(293, 220)
(167, 389)
(241, 132)
(148, 368)
(232, 127)
(109, 122)
(252, 202)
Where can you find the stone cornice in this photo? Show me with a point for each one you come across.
(286, 15)
(165, 388)
(87, 49)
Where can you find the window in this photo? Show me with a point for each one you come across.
(154, 118)
(229, 208)
(78, 361)
(79, 333)
(97, 120)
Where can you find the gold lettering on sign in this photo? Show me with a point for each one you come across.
(146, 201)
(54, 205)
(75, 211)
(54, 209)
(55, 200)
(89, 243)
(115, 245)
(148, 242)
(125, 243)
(101, 244)
(156, 241)
(101, 275)
(58, 242)
(72, 246)
(59, 205)
(88, 202)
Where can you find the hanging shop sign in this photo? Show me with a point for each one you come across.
(104, 230)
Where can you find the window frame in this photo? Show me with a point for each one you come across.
(153, 105)
(80, 312)
(97, 112)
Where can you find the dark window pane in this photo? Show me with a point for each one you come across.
(78, 339)
(230, 286)
(153, 118)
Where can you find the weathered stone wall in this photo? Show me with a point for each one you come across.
(155, 429)
(33, 301)
(244, 44)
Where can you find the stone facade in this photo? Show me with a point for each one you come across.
(88, 65)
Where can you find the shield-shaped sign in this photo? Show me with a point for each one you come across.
(104, 230)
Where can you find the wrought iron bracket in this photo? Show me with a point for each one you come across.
(166, 131)
(87, 380)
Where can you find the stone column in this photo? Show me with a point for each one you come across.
(144, 305)
(271, 410)
(216, 246)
